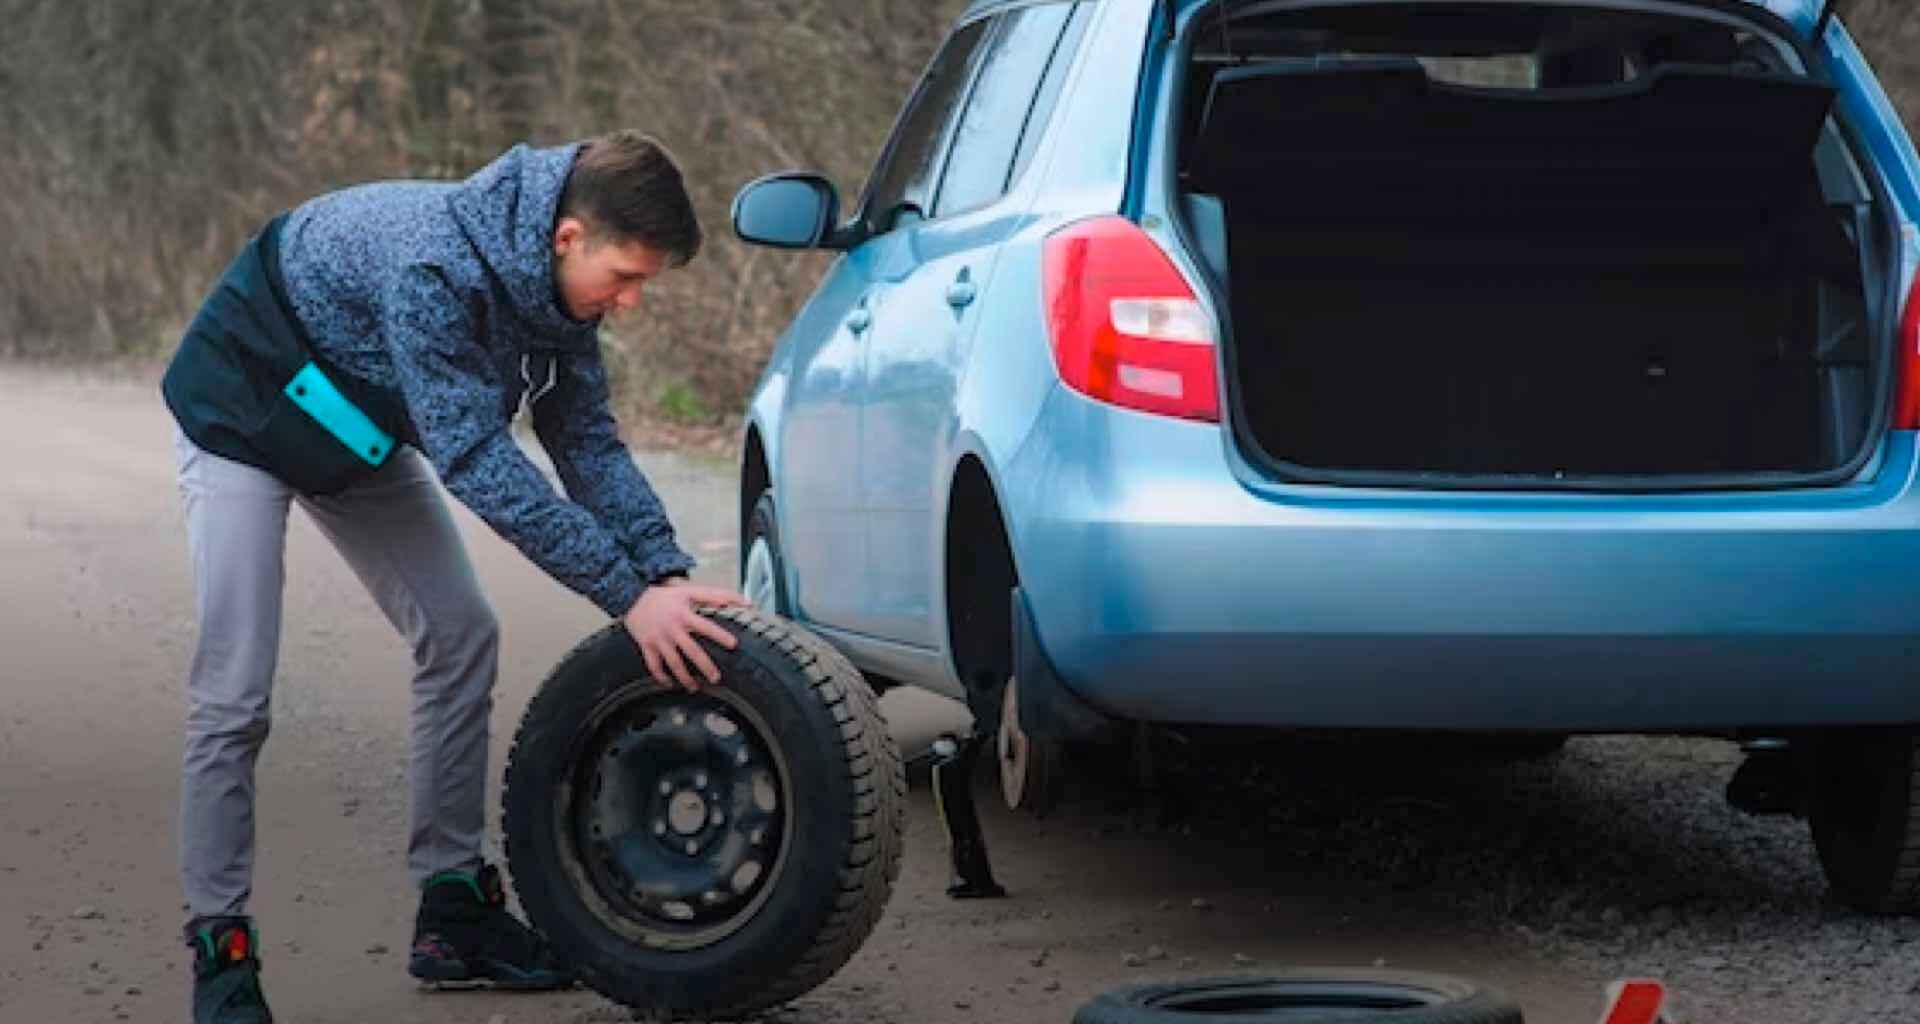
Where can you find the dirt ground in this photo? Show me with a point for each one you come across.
(95, 625)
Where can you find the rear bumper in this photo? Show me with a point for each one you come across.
(1167, 585)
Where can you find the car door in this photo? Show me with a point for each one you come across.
(823, 523)
(923, 318)
(819, 427)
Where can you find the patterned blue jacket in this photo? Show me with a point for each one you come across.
(440, 298)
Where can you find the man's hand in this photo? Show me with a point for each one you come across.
(663, 622)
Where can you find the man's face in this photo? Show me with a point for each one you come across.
(597, 277)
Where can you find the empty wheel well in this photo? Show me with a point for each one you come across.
(754, 479)
(980, 579)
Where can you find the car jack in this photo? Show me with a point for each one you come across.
(955, 759)
(1772, 779)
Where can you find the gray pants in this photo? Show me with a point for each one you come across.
(395, 531)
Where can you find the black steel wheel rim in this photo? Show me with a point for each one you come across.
(677, 815)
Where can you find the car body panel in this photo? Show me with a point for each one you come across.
(1164, 590)
(815, 437)
(916, 353)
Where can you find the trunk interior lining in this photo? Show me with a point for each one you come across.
(1638, 278)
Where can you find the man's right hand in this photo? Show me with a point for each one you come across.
(664, 621)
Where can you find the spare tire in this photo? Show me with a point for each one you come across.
(1305, 996)
(705, 854)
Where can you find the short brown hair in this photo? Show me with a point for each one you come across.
(625, 184)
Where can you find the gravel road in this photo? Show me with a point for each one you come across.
(1547, 879)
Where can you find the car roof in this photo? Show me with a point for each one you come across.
(1796, 11)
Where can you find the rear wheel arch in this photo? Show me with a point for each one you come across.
(980, 572)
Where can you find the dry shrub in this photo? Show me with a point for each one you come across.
(148, 138)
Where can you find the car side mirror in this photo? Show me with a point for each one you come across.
(789, 210)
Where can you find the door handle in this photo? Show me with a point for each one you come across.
(960, 293)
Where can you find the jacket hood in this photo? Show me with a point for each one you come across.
(507, 210)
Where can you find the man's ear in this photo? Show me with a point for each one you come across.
(569, 235)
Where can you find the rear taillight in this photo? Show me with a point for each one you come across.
(1906, 409)
(1126, 326)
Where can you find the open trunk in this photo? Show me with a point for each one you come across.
(1559, 244)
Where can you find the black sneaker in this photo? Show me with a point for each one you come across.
(226, 972)
(464, 934)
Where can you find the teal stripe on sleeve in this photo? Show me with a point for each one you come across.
(313, 392)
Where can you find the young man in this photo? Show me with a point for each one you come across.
(359, 345)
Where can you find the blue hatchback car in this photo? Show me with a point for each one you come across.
(1515, 368)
